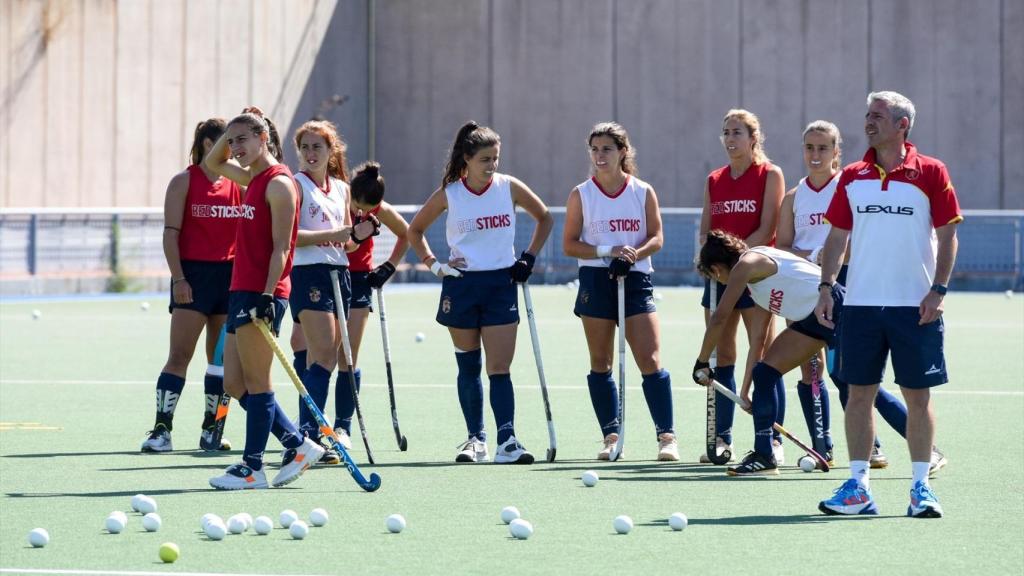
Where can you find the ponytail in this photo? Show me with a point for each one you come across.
(468, 141)
(368, 184)
(212, 129)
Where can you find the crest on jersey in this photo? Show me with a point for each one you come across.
(913, 174)
(313, 210)
(314, 294)
(446, 304)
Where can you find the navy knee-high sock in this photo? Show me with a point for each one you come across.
(344, 405)
(299, 363)
(806, 394)
(780, 412)
(765, 407)
(316, 380)
(725, 410)
(605, 398)
(281, 426)
(259, 417)
(503, 404)
(471, 392)
(168, 390)
(658, 393)
(213, 387)
(892, 410)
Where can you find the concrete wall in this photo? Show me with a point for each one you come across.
(99, 97)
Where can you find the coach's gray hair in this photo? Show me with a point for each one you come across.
(899, 105)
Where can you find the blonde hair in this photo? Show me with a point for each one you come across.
(750, 120)
(832, 131)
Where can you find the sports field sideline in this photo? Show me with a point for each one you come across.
(76, 397)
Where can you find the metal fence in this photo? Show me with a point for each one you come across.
(111, 242)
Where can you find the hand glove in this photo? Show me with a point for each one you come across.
(521, 270)
(356, 228)
(442, 270)
(380, 275)
(619, 267)
(702, 373)
(266, 309)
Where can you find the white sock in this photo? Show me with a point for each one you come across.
(920, 472)
(859, 471)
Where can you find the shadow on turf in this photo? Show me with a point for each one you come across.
(194, 453)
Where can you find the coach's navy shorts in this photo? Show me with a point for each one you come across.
(841, 277)
(240, 303)
(312, 289)
(597, 296)
(810, 326)
(870, 333)
(745, 301)
(362, 294)
(477, 299)
(210, 282)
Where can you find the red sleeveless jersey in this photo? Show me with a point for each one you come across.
(361, 260)
(210, 219)
(736, 204)
(255, 240)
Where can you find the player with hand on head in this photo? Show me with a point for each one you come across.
(613, 227)
(898, 211)
(479, 301)
(743, 199)
(780, 283)
(249, 153)
(200, 218)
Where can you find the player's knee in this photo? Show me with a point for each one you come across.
(764, 375)
(178, 361)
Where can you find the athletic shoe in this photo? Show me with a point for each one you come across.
(878, 458)
(330, 456)
(829, 458)
(239, 477)
(849, 499)
(754, 464)
(473, 450)
(720, 448)
(668, 448)
(512, 452)
(206, 442)
(923, 502)
(343, 438)
(778, 452)
(295, 461)
(609, 444)
(159, 440)
(938, 461)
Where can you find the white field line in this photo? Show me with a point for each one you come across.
(125, 572)
(694, 388)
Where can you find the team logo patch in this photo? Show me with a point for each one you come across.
(314, 294)
(446, 305)
(913, 174)
(584, 297)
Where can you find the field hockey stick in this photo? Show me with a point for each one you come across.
(346, 346)
(403, 444)
(621, 298)
(540, 371)
(711, 431)
(822, 463)
(224, 402)
(369, 485)
(818, 433)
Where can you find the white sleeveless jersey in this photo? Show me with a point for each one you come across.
(809, 207)
(793, 291)
(321, 211)
(616, 219)
(481, 227)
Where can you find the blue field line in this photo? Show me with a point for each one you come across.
(161, 296)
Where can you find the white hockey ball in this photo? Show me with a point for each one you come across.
(318, 517)
(509, 513)
(590, 478)
(38, 537)
(395, 523)
(298, 530)
(152, 522)
(263, 525)
(287, 517)
(520, 529)
(807, 464)
(678, 521)
(622, 524)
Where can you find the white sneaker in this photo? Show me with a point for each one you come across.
(295, 461)
(668, 448)
(720, 448)
(473, 450)
(609, 444)
(512, 452)
(938, 461)
(159, 440)
(343, 438)
(777, 451)
(239, 477)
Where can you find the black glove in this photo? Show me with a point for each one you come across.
(380, 275)
(360, 220)
(619, 267)
(700, 368)
(266, 309)
(521, 270)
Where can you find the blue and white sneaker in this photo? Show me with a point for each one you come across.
(240, 477)
(849, 499)
(295, 461)
(923, 502)
(512, 452)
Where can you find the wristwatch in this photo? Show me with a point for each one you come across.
(939, 289)
(828, 285)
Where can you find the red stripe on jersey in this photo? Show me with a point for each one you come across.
(617, 192)
(210, 219)
(255, 237)
(481, 192)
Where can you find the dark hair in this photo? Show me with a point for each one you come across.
(618, 134)
(260, 124)
(720, 247)
(368, 184)
(212, 129)
(337, 164)
(468, 141)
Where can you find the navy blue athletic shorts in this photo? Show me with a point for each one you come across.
(477, 299)
(597, 296)
(810, 326)
(312, 289)
(871, 333)
(210, 282)
(240, 303)
(745, 301)
(362, 294)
